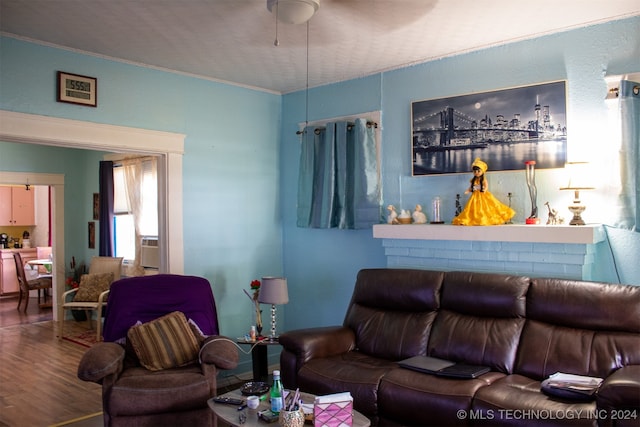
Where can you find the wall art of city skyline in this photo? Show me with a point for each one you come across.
(505, 128)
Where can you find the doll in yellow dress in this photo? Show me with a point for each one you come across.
(482, 208)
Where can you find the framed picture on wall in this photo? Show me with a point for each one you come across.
(96, 206)
(92, 235)
(77, 89)
(504, 128)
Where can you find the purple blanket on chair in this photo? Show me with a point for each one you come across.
(142, 299)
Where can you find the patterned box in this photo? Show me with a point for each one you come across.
(333, 414)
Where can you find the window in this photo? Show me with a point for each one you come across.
(124, 225)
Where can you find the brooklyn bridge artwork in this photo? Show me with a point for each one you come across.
(505, 128)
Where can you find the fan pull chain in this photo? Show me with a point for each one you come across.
(306, 95)
(276, 41)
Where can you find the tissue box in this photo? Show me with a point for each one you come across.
(333, 410)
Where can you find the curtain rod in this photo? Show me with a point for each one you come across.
(120, 162)
(349, 127)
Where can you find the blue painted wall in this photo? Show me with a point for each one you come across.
(232, 231)
(323, 264)
(241, 153)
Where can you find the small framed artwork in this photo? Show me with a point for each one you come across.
(92, 235)
(77, 89)
(96, 206)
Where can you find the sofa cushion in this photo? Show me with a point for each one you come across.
(413, 398)
(485, 294)
(582, 328)
(92, 285)
(392, 310)
(476, 340)
(585, 305)
(516, 399)
(154, 392)
(481, 319)
(353, 371)
(166, 342)
(390, 335)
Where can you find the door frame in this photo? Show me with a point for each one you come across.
(169, 147)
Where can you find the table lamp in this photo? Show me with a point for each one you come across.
(578, 179)
(273, 291)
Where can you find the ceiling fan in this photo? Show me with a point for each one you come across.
(293, 11)
(338, 20)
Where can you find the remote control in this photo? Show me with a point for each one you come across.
(228, 400)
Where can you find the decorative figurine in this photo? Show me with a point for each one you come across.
(418, 216)
(482, 208)
(404, 217)
(458, 205)
(392, 218)
(530, 169)
(553, 219)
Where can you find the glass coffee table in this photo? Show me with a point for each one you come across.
(232, 416)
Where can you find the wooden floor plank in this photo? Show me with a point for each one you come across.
(38, 381)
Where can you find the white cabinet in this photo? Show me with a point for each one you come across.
(16, 206)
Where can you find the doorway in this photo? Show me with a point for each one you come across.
(38, 236)
(169, 147)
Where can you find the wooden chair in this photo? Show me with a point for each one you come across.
(98, 266)
(40, 283)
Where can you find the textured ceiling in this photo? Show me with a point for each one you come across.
(233, 40)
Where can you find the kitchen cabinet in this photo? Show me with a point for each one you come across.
(8, 275)
(16, 206)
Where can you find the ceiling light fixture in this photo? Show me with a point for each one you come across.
(294, 11)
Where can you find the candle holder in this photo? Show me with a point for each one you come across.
(435, 211)
(459, 206)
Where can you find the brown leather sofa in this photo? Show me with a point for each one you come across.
(524, 329)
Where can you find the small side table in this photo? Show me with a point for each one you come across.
(259, 357)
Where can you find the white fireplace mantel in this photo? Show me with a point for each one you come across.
(587, 234)
(561, 251)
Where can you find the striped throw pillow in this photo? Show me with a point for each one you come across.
(166, 342)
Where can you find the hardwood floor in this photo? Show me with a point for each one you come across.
(38, 382)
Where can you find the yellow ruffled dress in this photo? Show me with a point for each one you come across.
(483, 208)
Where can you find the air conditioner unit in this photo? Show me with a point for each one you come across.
(150, 254)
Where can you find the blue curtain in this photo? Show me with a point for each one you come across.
(630, 155)
(624, 237)
(339, 182)
(106, 246)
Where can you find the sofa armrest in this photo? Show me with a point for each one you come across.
(313, 343)
(618, 394)
(101, 360)
(302, 345)
(621, 389)
(219, 351)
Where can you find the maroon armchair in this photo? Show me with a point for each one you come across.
(138, 388)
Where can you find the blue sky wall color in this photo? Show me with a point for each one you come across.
(241, 154)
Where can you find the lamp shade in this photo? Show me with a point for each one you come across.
(273, 290)
(293, 11)
(579, 176)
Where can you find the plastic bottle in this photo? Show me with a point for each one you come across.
(277, 393)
